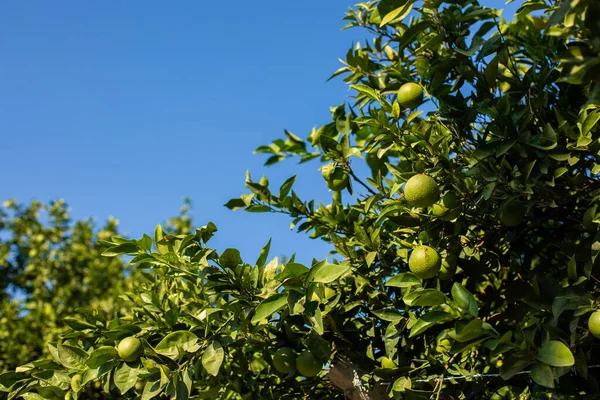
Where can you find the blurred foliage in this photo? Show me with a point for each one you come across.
(509, 132)
(50, 266)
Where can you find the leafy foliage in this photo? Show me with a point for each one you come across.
(50, 267)
(508, 131)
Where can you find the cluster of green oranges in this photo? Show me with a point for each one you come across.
(286, 362)
(422, 191)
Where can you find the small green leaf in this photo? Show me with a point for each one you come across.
(425, 298)
(327, 273)
(269, 306)
(403, 280)
(464, 299)
(389, 315)
(125, 377)
(591, 121)
(71, 357)
(428, 320)
(556, 354)
(152, 389)
(398, 14)
(213, 358)
(100, 356)
(542, 375)
(176, 342)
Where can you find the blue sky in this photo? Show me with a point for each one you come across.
(125, 108)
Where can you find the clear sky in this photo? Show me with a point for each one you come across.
(123, 108)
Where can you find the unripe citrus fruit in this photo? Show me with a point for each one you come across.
(337, 180)
(512, 214)
(130, 348)
(284, 360)
(438, 210)
(588, 219)
(450, 199)
(594, 324)
(327, 170)
(448, 268)
(410, 95)
(424, 262)
(421, 191)
(307, 365)
(76, 382)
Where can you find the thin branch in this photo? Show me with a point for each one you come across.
(357, 179)
(438, 377)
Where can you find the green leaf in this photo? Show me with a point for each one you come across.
(293, 270)
(389, 315)
(315, 317)
(425, 298)
(367, 91)
(158, 236)
(491, 72)
(213, 358)
(464, 299)
(152, 389)
(428, 320)
(269, 306)
(71, 357)
(125, 248)
(591, 121)
(78, 324)
(401, 384)
(327, 273)
(125, 377)
(546, 140)
(32, 396)
(177, 342)
(466, 332)
(398, 14)
(100, 356)
(514, 365)
(542, 375)
(403, 280)
(556, 354)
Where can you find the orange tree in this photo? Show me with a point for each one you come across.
(49, 266)
(463, 250)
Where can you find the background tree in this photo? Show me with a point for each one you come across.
(464, 265)
(51, 265)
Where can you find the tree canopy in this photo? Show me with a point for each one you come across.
(463, 222)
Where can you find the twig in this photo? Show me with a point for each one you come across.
(357, 179)
(437, 378)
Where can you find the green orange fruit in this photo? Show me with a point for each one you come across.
(424, 262)
(448, 268)
(76, 382)
(512, 214)
(594, 324)
(130, 349)
(450, 199)
(410, 95)
(421, 191)
(284, 360)
(335, 177)
(438, 210)
(307, 365)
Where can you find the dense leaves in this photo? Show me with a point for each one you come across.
(508, 130)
